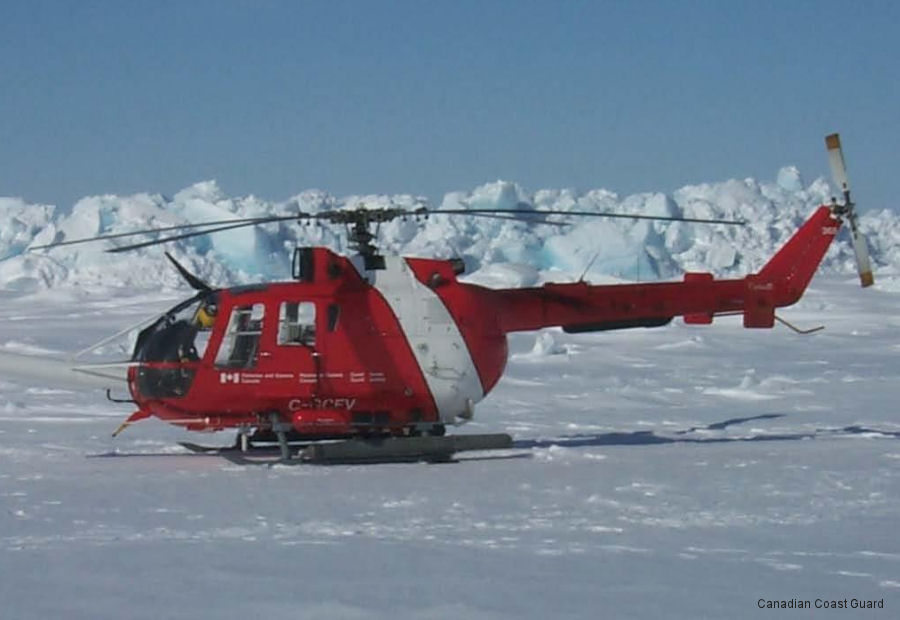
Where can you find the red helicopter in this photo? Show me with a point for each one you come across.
(389, 351)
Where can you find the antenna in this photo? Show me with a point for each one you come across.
(584, 273)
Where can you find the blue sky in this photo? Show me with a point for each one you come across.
(271, 98)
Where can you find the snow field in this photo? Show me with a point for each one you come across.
(679, 472)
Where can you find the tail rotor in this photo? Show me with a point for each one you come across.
(847, 210)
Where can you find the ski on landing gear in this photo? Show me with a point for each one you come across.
(428, 449)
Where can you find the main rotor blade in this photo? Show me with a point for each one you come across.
(516, 212)
(196, 283)
(250, 222)
(524, 220)
(362, 218)
(147, 231)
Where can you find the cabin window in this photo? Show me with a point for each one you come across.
(297, 323)
(240, 345)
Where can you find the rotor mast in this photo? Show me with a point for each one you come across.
(359, 223)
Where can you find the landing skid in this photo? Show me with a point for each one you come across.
(362, 451)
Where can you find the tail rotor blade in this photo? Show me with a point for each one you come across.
(863, 264)
(836, 159)
(847, 210)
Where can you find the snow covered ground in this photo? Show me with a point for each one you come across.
(679, 472)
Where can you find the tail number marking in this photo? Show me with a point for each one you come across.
(298, 404)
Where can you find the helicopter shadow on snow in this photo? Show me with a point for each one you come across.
(650, 438)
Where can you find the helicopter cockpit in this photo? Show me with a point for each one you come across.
(170, 348)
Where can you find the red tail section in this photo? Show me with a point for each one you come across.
(582, 307)
(793, 266)
(784, 278)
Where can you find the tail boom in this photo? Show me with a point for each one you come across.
(582, 307)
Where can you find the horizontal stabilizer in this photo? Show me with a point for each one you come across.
(759, 303)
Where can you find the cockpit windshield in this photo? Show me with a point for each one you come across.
(178, 338)
(181, 334)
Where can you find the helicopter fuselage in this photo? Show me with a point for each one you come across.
(346, 350)
(405, 346)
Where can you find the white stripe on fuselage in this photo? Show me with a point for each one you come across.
(434, 338)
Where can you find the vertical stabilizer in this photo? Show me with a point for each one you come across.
(794, 265)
